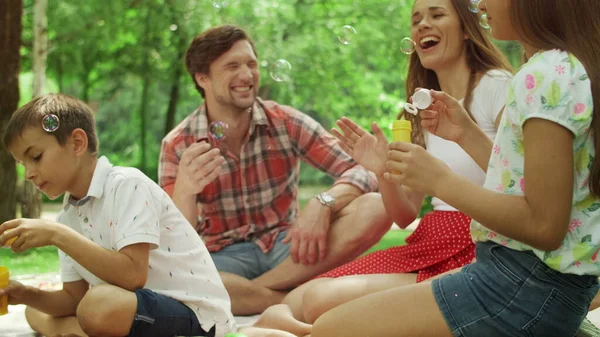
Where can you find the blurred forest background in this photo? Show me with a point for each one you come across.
(125, 59)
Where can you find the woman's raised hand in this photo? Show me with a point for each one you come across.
(369, 150)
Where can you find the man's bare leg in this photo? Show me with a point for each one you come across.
(355, 229)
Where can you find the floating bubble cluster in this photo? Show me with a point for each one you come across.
(483, 21)
(474, 6)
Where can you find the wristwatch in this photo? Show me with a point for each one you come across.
(326, 199)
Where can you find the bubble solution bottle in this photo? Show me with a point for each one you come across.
(4, 276)
(402, 131)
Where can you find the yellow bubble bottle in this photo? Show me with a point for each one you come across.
(10, 241)
(402, 131)
(4, 276)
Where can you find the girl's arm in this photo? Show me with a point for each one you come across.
(401, 203)
(540, 218)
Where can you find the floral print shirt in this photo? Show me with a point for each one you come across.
(552, 85)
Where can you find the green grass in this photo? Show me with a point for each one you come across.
(34, 261)
(45, 260)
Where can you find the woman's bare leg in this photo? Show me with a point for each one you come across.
(279, 317)
(376, 315)
(326, 296)
(294, 299)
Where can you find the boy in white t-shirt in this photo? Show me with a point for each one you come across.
(131, 264)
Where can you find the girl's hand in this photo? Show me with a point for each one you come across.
(446, 118)
(414, 167)
(366, 149)
(30, 233)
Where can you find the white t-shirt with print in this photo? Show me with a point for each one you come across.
(124, 207)
(553, 85)
(489, 97)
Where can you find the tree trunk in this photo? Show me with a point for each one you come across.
(10, 59)
(174, 96)
(31, 201)
(146, 75)
(179, 41)
(40, 46)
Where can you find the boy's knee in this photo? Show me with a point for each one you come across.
(35, 319)
(93, 312)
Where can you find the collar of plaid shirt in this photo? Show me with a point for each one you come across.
(259, 118)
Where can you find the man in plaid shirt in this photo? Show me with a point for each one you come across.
(240, 192)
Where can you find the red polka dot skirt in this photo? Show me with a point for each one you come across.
(440, 243)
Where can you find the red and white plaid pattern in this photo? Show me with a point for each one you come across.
(255, 196)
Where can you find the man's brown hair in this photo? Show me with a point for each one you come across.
(209, 46)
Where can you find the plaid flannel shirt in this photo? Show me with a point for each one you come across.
(255, 196)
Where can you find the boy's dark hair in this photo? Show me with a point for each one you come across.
(209, 46)
(71, 112)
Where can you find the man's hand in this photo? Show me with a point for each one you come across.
(30, 233)
(308, 235)
(199, 166)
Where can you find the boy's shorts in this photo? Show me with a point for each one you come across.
(513, 293)
(159, 316)
(247, 260)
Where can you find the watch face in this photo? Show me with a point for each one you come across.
(327, 197)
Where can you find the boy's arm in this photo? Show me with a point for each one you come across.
(126, 268)
(56, 303)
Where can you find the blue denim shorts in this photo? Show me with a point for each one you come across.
(161, 316)
(512, 293)
(247, 260)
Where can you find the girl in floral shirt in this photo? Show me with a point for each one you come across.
(536, 221)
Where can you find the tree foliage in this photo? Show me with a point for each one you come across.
(125, 59)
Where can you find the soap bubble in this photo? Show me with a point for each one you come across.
(483, 21)
(346, 35)
(50, 123)
(217, 130)
(219, 3)
(474, 6)
(280, 70)
(407, 46)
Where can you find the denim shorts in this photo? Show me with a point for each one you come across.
(161, 316)
(513, 293)
(247, 260)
